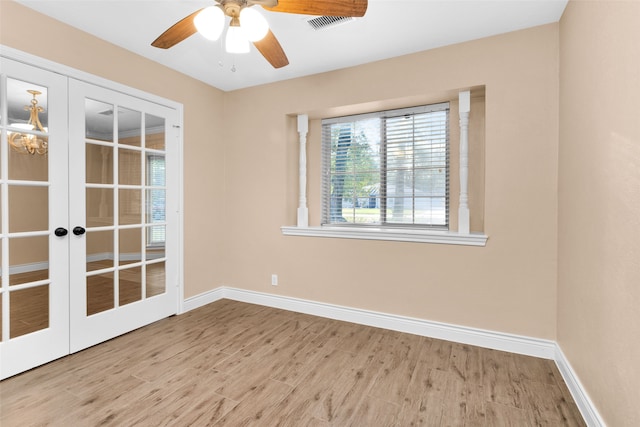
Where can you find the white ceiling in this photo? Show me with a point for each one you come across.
(389, 28)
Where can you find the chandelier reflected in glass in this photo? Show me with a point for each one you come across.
(30, 143)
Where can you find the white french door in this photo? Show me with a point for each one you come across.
(34, 291)
(88, 215)
(123, 213)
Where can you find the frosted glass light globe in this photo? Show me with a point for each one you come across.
(255, 25)
(210, 22)
(236, 41)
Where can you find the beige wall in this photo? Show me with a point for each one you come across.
(203, 145)
(599, 203)
(509, 285)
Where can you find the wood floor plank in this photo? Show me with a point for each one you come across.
(292, 368)
(47, 410)
(547, 405)
(373, 411)
(308, 398)
(464, 403)
(360, 339)
(536, 369)
(437, 354)
(251, 410)
(499, 415)
(397, 365)
(466, 362)
(255, 366)
(232, 364)
(350, 387)
(424, 402)
(334, 333)
(314, 422)
(502, 380)
(200, 357)
(185, 402)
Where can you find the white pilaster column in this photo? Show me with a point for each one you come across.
(463, 206)
(303, 211)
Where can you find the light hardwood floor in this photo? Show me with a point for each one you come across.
(235, 364)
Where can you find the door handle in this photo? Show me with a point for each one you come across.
(78, 231)
(60, 232)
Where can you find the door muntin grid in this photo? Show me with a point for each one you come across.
(125, 206)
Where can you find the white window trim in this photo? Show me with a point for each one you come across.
(395, 234)
(417, 235)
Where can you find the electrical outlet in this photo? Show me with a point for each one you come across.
(274, 280)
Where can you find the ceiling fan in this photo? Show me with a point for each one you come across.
(248, 25)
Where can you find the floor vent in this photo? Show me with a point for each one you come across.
(322, 22)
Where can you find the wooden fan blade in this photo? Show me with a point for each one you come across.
(270, 48)
(354, 8)
(177, 32)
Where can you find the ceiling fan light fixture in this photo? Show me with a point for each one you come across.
(236, 41)
(210, 22)
(254, 24)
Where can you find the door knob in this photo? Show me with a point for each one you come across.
(78, 231)
(60, 232)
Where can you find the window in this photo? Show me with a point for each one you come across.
(156, 202)
(389, 168)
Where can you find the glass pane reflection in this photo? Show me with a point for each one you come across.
(28, 259)
(28, 167)
(130, 245)
(29, 310)
(156, 173)
(130, 206)
(156, 235)
(156, 206)
(130, 286)
(98, 120)
(154, 132)
(99, 164)
(100, 293)
(99, 249)
(28, 208)
(21, 98)
(99, 207)
(129, 170)
(129, 127)
(155, 279)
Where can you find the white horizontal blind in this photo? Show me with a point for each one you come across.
(157, 203)
(389, 168)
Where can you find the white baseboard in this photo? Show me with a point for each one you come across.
(202, 299)
(495, 340)
(27, 268)
(535, 347)
(587, 408)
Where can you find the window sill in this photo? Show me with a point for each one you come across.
(413, 235)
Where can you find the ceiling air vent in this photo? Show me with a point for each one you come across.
(322, 22)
